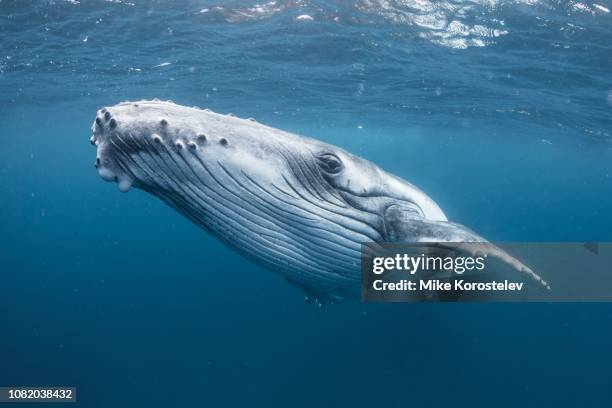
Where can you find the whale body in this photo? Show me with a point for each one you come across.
(295, 205)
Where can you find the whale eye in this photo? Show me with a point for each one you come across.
(329, 163)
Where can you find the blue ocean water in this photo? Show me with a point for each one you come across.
(500, 110)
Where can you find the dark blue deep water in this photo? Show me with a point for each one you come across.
(500, 110)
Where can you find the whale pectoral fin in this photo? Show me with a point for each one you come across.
(403, 225)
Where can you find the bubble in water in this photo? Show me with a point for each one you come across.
(304, 17)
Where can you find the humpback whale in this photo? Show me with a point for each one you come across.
(295, 205)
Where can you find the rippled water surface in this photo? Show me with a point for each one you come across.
(500, 110)
(544, 63)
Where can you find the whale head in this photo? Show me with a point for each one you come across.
(169, 149)
(291, 203)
